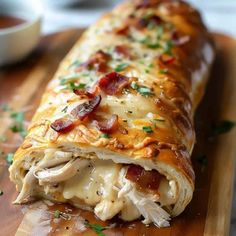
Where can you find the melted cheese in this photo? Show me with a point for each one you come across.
(93, 183)
(97, 185)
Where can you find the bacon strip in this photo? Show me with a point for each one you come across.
(113, 83)
(107, 126)
(85, 109)
(98, 61)
(178, 39)
(145, 180)
(123, 50)
(166, 59)
(143, 22)
(150, 3)
(62, 125)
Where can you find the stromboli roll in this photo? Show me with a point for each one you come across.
(114, 131)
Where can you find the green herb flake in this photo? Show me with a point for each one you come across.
(104, 135)
(160, 31)
(3, 139)
(18, 126)
(145, 91)
(69, 78)
(121, 67)
(98, 229)
(148, 42)
(167, 47)
(1, 192)
(134, 85)
(147, 71)
(72, 86)
(5, 107)
(164, 71)
(64, 110)
(147, 129)
(75, 63)
(57, 214)
(222, 127)
(9, 158)
(202, 159)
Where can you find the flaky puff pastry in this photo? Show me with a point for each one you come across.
(156, 56)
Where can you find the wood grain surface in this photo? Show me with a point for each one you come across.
(22, 85)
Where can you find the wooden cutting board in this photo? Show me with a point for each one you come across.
(22, 85)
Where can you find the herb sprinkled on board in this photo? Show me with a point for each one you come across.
(98, 229)
(222, 127)
(57, 214)
(9, 158)
(18, 123)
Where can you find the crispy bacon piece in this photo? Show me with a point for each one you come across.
(147, 3)
(113, 83)
(122, 30)
(145, 180)
(84, 93)
(62, 125)
(166, 59)
(143, 22)
(123, 50)
(178, 39)
(98, 61)
(85, 109)
(107, 126)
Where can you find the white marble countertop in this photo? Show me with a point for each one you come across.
(219, 15)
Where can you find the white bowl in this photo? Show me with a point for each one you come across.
(18, 41)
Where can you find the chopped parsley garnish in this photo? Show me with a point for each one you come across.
(222, 127)
(57, 214)
(134, 85)
(147, 129)
(72, 86)
(3, 139)
(147, 71)
(160, 31)
(69, 78)
(1, 192)
(9, 158)
(75, 63)
(96, 228)
(104, 135)
(5, 107)
(163, 71)
(18, 123)
(121, 67)
(64, 110)
(167, 47)
(143, 90)
(148, 42)
(202, 160)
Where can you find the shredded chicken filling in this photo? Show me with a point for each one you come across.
(102, 185)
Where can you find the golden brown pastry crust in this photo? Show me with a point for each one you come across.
(176, 86)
